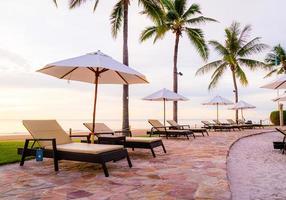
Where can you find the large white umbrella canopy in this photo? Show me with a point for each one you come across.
(279, 83)
(96, 68)
(242, 105)
(165, 95)
(218, 100)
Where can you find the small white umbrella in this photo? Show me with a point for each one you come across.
(165, 95)
(218, 100)
(242, 105)
(96, 68)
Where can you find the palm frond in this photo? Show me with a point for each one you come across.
(168, 4)
(153, 9)
(76, 3)
(216, 76)
(192, 10)
(219, 47)
(200, 20)
(271, 73)
(208, 67)
(148, 33)
(252, 47)
(196, 36)
(55, 2)
(241, 75)
(180, 6)
(253, 64)
(244, 34)
(116, 18)
(95, 5)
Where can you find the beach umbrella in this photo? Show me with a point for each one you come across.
(279, 83)
(218, 100)
(242, 105)
(165, 95)
(96, 68)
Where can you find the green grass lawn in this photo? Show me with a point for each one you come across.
(8, 151)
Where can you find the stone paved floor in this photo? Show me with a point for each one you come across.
(194, 169)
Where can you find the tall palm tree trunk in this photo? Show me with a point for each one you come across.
(125, 122)
(235, 94)
(175, 77)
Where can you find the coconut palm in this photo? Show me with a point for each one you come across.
(234, 55)
(119, 14)
(276, 59)
(177, 17)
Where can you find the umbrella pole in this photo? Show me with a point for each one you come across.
(164, 112)
(217, 111)
(242, 115)
(94, 107)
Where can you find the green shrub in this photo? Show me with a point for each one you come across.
(274, 117)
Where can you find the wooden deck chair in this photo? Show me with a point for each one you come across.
(175, 125)
(160, 129)
(57, 144)
(130, 142)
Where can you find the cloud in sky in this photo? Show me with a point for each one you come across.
(34, 33)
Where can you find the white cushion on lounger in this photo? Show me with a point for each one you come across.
(86, 148)
(142, 139)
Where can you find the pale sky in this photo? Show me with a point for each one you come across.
(34, 33)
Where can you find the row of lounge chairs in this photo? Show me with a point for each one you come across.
(57, 144)
(230, 125)
(174, 129)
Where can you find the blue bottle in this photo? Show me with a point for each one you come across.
(39, 154)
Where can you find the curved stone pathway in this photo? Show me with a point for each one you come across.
(256, 170)
(194, 169)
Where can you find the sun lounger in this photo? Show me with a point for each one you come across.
(228, 125)
(282, 145)
(177, 126)
(130, 142)
(215, 127)
(244, 126)
(250, 124)
(57, 144)
(159, 129)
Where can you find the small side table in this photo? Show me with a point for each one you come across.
(112, 139)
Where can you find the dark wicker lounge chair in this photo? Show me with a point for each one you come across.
(216, 127)
(282, 145)
(159, 129)
(231, 126)
(250, 124)
(57, 144)
(244, 126)
(177, 126)
(130, 142)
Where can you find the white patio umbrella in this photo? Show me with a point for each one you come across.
(96, 68)
(218, 100)
(279, 83)
(165, 95)
(242, 105)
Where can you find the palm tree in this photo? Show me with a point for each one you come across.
(176, 17)
(277, 60)
(234, 55)
(119, 14)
